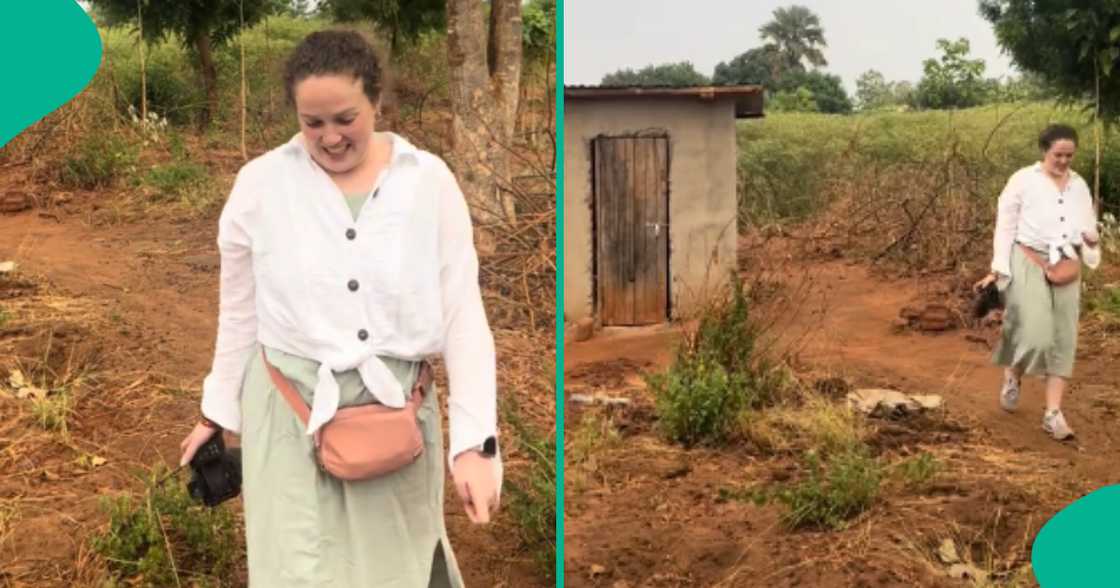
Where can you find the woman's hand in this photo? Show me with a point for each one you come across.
(985, 282)
(476, 480)
(201, 433)
(1090, 238)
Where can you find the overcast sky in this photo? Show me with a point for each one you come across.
(892, 36)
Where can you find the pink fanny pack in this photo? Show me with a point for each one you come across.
(366, 441)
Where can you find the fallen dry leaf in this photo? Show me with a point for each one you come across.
(15, 380)
(32, 392)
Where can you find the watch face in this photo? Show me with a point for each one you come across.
(490, 447)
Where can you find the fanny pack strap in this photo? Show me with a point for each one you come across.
(423, 382)
(1033, 256)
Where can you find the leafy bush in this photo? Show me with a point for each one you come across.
(99, 159)
(715, 375)
(697, 399)
(834, 493)
(203, 542)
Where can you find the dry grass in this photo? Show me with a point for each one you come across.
(817, 424)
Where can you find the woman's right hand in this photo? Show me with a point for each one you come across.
(984, 282)
(201, 433)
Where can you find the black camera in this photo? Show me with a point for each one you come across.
(216, 472)
(987, 300)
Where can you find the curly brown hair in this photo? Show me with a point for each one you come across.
(1054, 133)
(334, 52)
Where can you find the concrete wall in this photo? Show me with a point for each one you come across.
(702, 199)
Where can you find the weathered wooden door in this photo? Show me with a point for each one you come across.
(631, 219)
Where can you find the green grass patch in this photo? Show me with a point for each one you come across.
(175, 179)
(161, 537)
(1105, 302)
(532, 493)
(97, 161)
(52, 412)
(919, 471)
(834, 492)
(835, 489)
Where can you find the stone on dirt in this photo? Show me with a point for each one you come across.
(884, 403)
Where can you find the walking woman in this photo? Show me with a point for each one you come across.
(347, 259)
(1045, 230)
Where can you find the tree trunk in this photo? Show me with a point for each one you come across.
(485, 80)
(209, 77)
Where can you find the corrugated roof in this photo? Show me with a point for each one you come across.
(748, 99)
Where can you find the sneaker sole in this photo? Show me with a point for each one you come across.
(1055, 437)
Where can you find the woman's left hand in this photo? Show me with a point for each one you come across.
(477, 482)
(984, 282)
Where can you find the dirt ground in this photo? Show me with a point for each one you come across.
(642, 512)
(134, 307)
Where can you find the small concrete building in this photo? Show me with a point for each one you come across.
(650, 201)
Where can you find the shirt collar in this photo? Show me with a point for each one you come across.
(1037, 167)
(401, 148)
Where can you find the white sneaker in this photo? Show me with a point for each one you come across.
(1009, 394)
(1054, 423)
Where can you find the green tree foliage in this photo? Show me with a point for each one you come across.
(826, 90)
(666, 74)
(796, 100)
(1070, 45)
(403, 20)
(755, 66)
(538, 28)
(954, 80)
(199, 24)
(873, 91)
(796, 35)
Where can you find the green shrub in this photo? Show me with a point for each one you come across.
(172, 83)
(532, 493)
(203, 541)
(174, 179)
(834, 493)
(716, 373)
(697, 400)
(920, 470)
(98, 160)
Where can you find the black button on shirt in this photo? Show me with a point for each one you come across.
(351, 233)
(363, 335)
(353, 285)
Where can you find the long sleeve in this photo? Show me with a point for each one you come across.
(1007, 223)
(237, 317)
(1090, 255)
(468, 342)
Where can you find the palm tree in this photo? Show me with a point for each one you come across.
(795, 34)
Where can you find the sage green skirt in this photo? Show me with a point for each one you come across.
(1040, 321)
(307, 529)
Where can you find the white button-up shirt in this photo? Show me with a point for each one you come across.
(1034, 212)
(291, 253)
